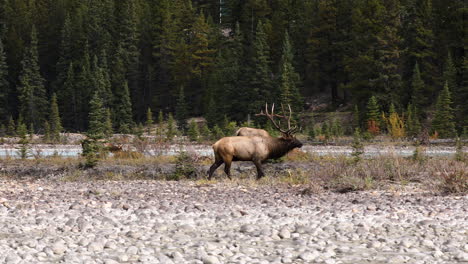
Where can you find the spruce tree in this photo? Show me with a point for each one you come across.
(413, 126)
(212, 116)
(443, 123)
(289, 79)
(259, 74)
(193, 131)
(232, 84)
(217, 132)
(462, 96)
(4, 84)
(202, 54)
(171, 127)
(84, 88)
(108, 130)
(181, 109)
(373, 116)
(68, 98)
(11, 128)
(65, 54)
(311, 129)
(160, 117)
(97, 118)
(128, 37)
(22, 132)
(358, 147)
(149, 120)
(356, 117)
(123, 115)
(373, 110)
(205, 131)
(46, 126)
(450, 74)
(419, 42)
(31, 89)
(419, 97)
(54, 119)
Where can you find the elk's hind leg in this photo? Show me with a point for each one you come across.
(227, 167)
(213, 167)
(260, 172)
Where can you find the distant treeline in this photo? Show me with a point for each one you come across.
(227, 58)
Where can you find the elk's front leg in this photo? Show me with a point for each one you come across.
(260, 172)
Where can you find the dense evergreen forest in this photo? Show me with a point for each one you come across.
(226, 58)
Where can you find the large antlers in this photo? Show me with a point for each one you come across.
(272, 115)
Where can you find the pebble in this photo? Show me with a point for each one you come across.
(164, 222)
(210, 260)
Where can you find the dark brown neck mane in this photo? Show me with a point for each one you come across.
(278, 147)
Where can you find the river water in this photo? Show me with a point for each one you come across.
(37, 151)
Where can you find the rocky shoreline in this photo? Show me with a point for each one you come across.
(52, 221)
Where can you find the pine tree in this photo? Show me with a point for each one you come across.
(97, 118)
(443, 122)
(4, 84)
(32, 93)
(54, 119)
(181, 109)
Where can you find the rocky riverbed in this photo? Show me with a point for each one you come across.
(50, 221)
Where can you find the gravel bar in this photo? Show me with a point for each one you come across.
(49, 221)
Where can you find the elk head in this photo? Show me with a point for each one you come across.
(286, 134)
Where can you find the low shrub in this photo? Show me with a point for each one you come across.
(185, 167)
(454, 182)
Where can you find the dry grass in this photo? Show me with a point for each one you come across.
(315, 173)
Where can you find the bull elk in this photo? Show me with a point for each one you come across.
(251, 132)
(255, 148)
